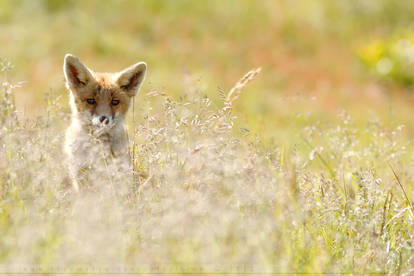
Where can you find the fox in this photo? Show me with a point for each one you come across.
(99, 104)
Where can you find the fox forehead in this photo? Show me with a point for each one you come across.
(106, 80)
(104, 87)
(103, 93)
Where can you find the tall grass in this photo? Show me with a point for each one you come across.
(209, 197)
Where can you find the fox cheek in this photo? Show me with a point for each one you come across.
(83, 109)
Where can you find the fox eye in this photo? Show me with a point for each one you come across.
(91, 101)
(115, 102)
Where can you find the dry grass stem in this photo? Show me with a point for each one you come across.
(236, 90)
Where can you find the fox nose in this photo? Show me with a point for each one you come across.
(104, 119)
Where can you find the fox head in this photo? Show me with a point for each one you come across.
(101, 100)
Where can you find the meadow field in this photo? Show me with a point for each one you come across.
(306, 167)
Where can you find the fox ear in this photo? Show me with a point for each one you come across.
(76, 73)
(131, 78)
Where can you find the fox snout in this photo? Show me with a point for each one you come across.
(103, 111)
(102, 121)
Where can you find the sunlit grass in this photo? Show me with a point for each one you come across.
(211, 198)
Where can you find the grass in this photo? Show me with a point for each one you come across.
(305, 169)
(214, 198)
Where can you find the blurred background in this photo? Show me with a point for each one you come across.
(318, 57)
